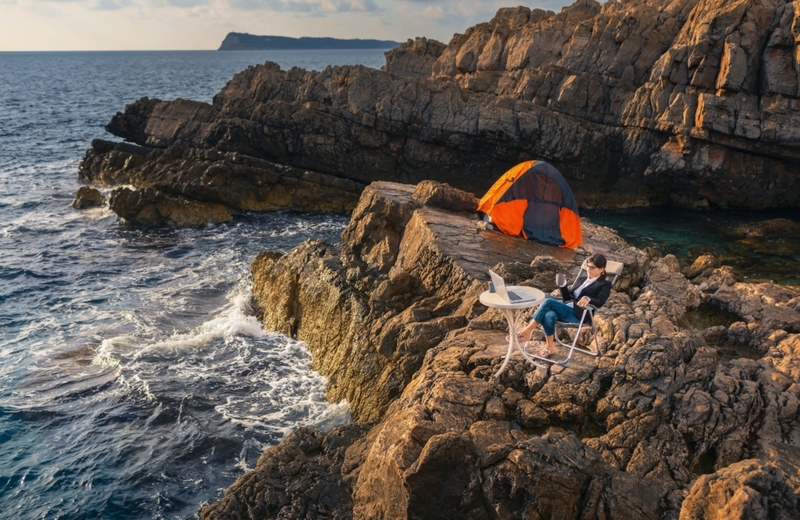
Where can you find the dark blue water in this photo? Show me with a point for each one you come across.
(134, 380)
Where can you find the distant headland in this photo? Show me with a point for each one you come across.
(249, 42)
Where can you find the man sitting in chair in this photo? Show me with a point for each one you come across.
(592, 288)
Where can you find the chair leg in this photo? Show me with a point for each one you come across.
(596, 352)
(573, 346)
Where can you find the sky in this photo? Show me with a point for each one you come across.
(55, 25)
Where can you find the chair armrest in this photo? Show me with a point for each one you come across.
(590, 309)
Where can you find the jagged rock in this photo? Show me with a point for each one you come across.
(306, 476)
(768, 305)
(703, 265)
(531, 416)
(444, 196)
(414, 57)
(711, 280)
(777, 228)
(88, 198)
(744, 490)
(666, 279)
(765, 308)
(658, 426)
(689, 102)
(149, 207)
(212, 179)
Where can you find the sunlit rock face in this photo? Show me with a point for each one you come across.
(672, 421)
(688, 102)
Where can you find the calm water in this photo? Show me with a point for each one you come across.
(134, 380)
(689, 234)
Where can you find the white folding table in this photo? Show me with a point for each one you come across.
(513, 313)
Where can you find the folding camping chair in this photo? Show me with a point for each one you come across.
(613, 270)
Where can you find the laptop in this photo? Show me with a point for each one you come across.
(509, 296)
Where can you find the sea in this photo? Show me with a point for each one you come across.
(135, 380)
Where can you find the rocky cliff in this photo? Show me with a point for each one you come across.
(689, 102)
(672, 421)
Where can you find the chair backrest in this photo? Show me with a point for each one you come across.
(613, 270)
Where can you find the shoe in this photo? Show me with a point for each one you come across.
(520, 337)
(543, 352)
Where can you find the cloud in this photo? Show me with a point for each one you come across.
(187, 3)
(440, 20)
(201, 24)
(112, 5)
(319, 7)
(366, 6)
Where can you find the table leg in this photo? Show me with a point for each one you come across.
(513, 320)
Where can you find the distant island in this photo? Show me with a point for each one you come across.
(251, 42)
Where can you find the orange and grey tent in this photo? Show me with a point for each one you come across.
(533, 200)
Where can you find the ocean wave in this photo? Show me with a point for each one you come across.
(134, 378)
(234, 319)
(263, 379)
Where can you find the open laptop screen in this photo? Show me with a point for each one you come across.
(507, 295)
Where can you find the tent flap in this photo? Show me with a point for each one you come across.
(570, 224)
(509, 216)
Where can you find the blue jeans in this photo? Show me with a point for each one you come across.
(551, 311)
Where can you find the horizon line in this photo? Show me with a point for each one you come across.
(187, 50)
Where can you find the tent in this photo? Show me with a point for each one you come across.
(533, 200)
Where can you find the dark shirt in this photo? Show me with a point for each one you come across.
(597, 292)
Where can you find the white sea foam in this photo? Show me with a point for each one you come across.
(264, 380)
(292, 397)
(238, 318)
(235, 319)
(98, 213)
(108, 351)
